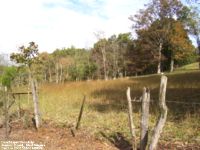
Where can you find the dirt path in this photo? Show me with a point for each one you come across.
(56, 138)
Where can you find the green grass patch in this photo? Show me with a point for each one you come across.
(193, 66)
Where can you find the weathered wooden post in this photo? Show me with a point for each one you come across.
(19, 105)
(130, 116)
(36, 104)
(80, 113)
(144, 118)
(6, 121)
(163, 114)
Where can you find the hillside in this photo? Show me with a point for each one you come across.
(193, 66)
(105, 112)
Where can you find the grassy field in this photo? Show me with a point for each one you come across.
(193, 66)
(105, 112)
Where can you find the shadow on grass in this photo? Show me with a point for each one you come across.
(182, 94)
(118, 140)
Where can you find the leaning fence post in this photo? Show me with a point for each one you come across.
(130, 115)
(163, 114)
(144, 118)
(6, 121)
(80, 113)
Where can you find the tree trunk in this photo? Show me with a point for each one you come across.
(163, 116)
(159, 58)
(89, 70)
(198, 45)
(29, 85)
(131, 124)
(36, 103)
(117, 68)
(61, 73)
(104, 63)
(50, 74)
(6, 121)
(124, 67)
(45, 76)
(57, 74)
(172, 65)
(115, 63)
(144, 119)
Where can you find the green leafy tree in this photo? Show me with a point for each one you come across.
(8, 76)
(173, 42)
(73, 64)
(99, 55)
(150, 44)
(180, 47)
(124, 44)
(191, 19)
(7, 80)
(156, 15)
(110, 55)
(28, 56)
(45, 66)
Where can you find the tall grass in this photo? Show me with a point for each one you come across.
(105, 112)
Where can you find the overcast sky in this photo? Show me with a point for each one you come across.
(62, 23)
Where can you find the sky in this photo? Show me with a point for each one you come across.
(56, 24)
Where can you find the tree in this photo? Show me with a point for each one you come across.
(100, 46)
(73, 64)
(28, 56)
(125, 45)
(172, 40)
(99, 54)
(150, 44)
(191, 19)
(179, 43)
(7, 79)
(155, 10)
(110, 55)
(156, 15)
(140, 57)
(45, 66)
(113, 49)
(8, 76)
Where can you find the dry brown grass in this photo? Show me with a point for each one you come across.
(106, 106)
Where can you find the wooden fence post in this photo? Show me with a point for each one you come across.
(6, 112)
(36, 104)
(163, 114)
(130, 115)
(144, 118)
(80, 113)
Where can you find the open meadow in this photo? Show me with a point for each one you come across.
(100, 75)
(105, 113)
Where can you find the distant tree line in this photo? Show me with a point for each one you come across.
(162, 42)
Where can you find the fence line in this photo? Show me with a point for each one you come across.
(178, 102)
(153, 101)
(188, 103)
(185, 97)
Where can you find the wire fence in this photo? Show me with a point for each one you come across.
(175, 98)
(167, 101)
